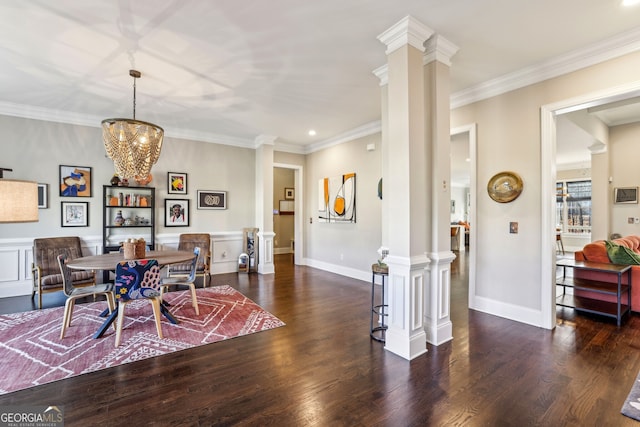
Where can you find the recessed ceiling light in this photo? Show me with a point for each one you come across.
(312, 132)
(630, 2)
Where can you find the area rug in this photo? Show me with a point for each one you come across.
(631, 407)
(32, 352)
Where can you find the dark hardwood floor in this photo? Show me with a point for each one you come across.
(322, 369)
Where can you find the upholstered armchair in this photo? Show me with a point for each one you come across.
(45, 270)
(188, 242)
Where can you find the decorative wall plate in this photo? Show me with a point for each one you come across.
(504, 187)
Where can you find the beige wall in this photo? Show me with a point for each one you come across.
(34, 149)
(624, 143)
(345, 248)
(508, 132)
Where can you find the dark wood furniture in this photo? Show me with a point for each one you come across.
(621, 289)
(133, 202)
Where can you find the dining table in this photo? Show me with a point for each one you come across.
(107, 262)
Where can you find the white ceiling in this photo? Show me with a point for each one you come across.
(231, 70)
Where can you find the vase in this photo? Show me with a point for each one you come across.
(119, 219)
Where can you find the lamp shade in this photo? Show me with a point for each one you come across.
(18, 201)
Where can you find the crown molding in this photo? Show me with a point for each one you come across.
(438, 48)
(359, 132)
(78, 119)
(407, 31)
(614, 47)
(382, 73)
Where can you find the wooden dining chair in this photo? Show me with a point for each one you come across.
(187, 242)
(189, 280)
(73, 293)
(455, 238)
(137, 279)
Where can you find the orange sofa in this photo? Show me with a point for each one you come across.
(597, 252)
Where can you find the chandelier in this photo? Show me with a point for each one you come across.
(133, 145)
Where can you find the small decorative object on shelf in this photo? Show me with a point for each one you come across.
(143, 181)
(382, 253)
(115, 179)
(119, 219)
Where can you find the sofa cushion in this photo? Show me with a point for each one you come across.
(596, 252)
(619, 254)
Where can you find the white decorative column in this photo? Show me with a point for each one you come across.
(601, 190)
(437, 60)
(264, 202)
(405, 197)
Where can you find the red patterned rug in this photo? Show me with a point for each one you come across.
(32, 352)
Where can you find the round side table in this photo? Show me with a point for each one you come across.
(378, 311)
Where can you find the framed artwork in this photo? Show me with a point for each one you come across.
(75, 214)
(286, 207)
(337, 199)
(75, 181)
(289, 194)
(43, 196)
(208, 199)
(176, 212)
(625, 195)
(177, 183)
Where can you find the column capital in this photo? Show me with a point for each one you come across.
(382, 73)
(437, 48)
(407, 31)
(597, 148)
(265, 140)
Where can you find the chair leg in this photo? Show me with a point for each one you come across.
(66, 317)
(194, 299)
(71, 307)
(155, 303)
(120, 321)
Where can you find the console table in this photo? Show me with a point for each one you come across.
(620, 289)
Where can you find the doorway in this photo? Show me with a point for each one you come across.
(290, 241)
(548, 133)
(467, 135)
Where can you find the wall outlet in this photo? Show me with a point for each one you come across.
(636, 220)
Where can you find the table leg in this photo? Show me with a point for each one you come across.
(168, 314)
(106, 323)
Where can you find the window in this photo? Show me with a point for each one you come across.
(573, 206)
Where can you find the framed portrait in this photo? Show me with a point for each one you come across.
(75, 214)
(43, 196)
(289, 194)
(75, 181)
(177, 182)
(176, 212)
(208, 199)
